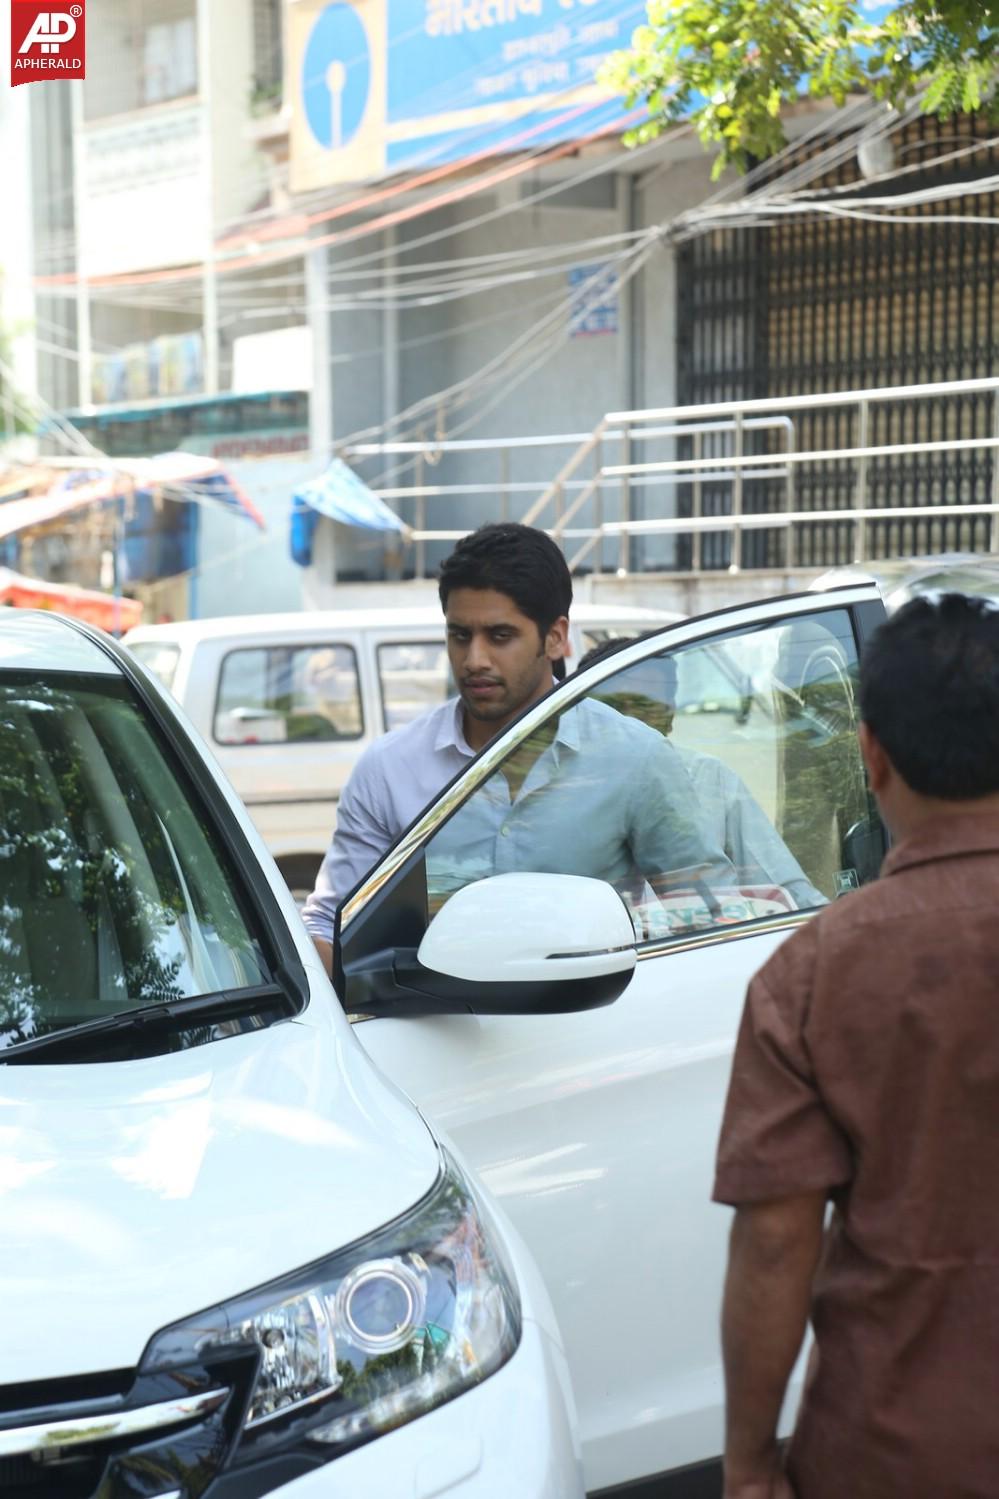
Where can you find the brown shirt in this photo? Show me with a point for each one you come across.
(868, 1064)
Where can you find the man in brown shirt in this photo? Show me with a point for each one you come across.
(867, 1074)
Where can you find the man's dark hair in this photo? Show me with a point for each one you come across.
(929, 690)
(520, 561)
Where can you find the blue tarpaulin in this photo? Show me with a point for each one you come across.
(341, 496)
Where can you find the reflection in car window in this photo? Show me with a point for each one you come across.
(593, 792)
(112, 892)
(717, 784)
(412, 677)
(288, 694)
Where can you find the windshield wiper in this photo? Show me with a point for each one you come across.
(168, 1015)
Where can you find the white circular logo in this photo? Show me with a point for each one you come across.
(76, 11)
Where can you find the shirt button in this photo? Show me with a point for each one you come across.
(505, 829)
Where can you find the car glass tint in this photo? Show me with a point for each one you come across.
(113, 890)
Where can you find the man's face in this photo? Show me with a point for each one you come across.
(499, 660)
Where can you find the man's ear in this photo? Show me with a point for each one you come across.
(879, 767)
(557, 639)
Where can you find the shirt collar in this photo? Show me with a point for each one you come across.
(945, 837)
(451, 729)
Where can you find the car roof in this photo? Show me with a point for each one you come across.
(892, 572)
(426, 616)
(37, 640)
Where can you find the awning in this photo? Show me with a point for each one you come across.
(55, 490)
(340, 495)
(103, 609)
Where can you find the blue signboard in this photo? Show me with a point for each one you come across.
(503, 71)
(403, 83)
(593, 308)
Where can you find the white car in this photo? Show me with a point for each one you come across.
(903, 578)
(235, 1261)
(571, 1035)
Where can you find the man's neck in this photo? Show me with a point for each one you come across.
(913, 812)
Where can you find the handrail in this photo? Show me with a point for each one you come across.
(809, 402)
(559, 502)
(565, 472)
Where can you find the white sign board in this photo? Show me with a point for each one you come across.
(145, 195)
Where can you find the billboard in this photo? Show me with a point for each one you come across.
(390, 85)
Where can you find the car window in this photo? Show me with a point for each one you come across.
(717, 783)
(158, 656)
(288, 694)
(113, 892)
(412, 677)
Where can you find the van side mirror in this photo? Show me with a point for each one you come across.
(512, 944)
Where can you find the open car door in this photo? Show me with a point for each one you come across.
(708, 778)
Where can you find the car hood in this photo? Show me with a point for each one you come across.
(134, 1194)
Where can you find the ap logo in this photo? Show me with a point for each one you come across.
(46, 43)
(51, 28)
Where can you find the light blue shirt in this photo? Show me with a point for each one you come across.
(608, 797)
(392, 783)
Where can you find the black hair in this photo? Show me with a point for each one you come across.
(929, 691)
(520, 561)
(607, 647)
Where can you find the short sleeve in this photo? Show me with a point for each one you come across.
(777, 1137)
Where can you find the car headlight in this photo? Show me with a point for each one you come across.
(355, 1345)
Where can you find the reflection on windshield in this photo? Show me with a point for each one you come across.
(111, 894)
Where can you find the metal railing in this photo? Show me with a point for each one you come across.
(700, 431)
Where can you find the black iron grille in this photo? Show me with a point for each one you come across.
(811, 304)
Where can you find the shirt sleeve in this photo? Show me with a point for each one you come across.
(753, 843)
(362, 834)
(777, 1137)
(670, 837)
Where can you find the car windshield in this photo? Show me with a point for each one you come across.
(113, 892)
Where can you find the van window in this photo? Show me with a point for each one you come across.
(286, 694)
(158, 656)
(113, 892)
(412, 678)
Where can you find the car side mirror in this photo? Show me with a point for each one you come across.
(512, 944)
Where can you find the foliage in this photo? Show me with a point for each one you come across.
(728, 66)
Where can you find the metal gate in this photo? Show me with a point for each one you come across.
(818, 303)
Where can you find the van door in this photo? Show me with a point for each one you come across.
(597, 1129)
(287, 723)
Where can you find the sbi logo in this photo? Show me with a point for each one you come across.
(336, 75)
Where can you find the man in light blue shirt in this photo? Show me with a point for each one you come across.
(506, 593)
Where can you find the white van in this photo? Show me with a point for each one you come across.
(289, 701)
